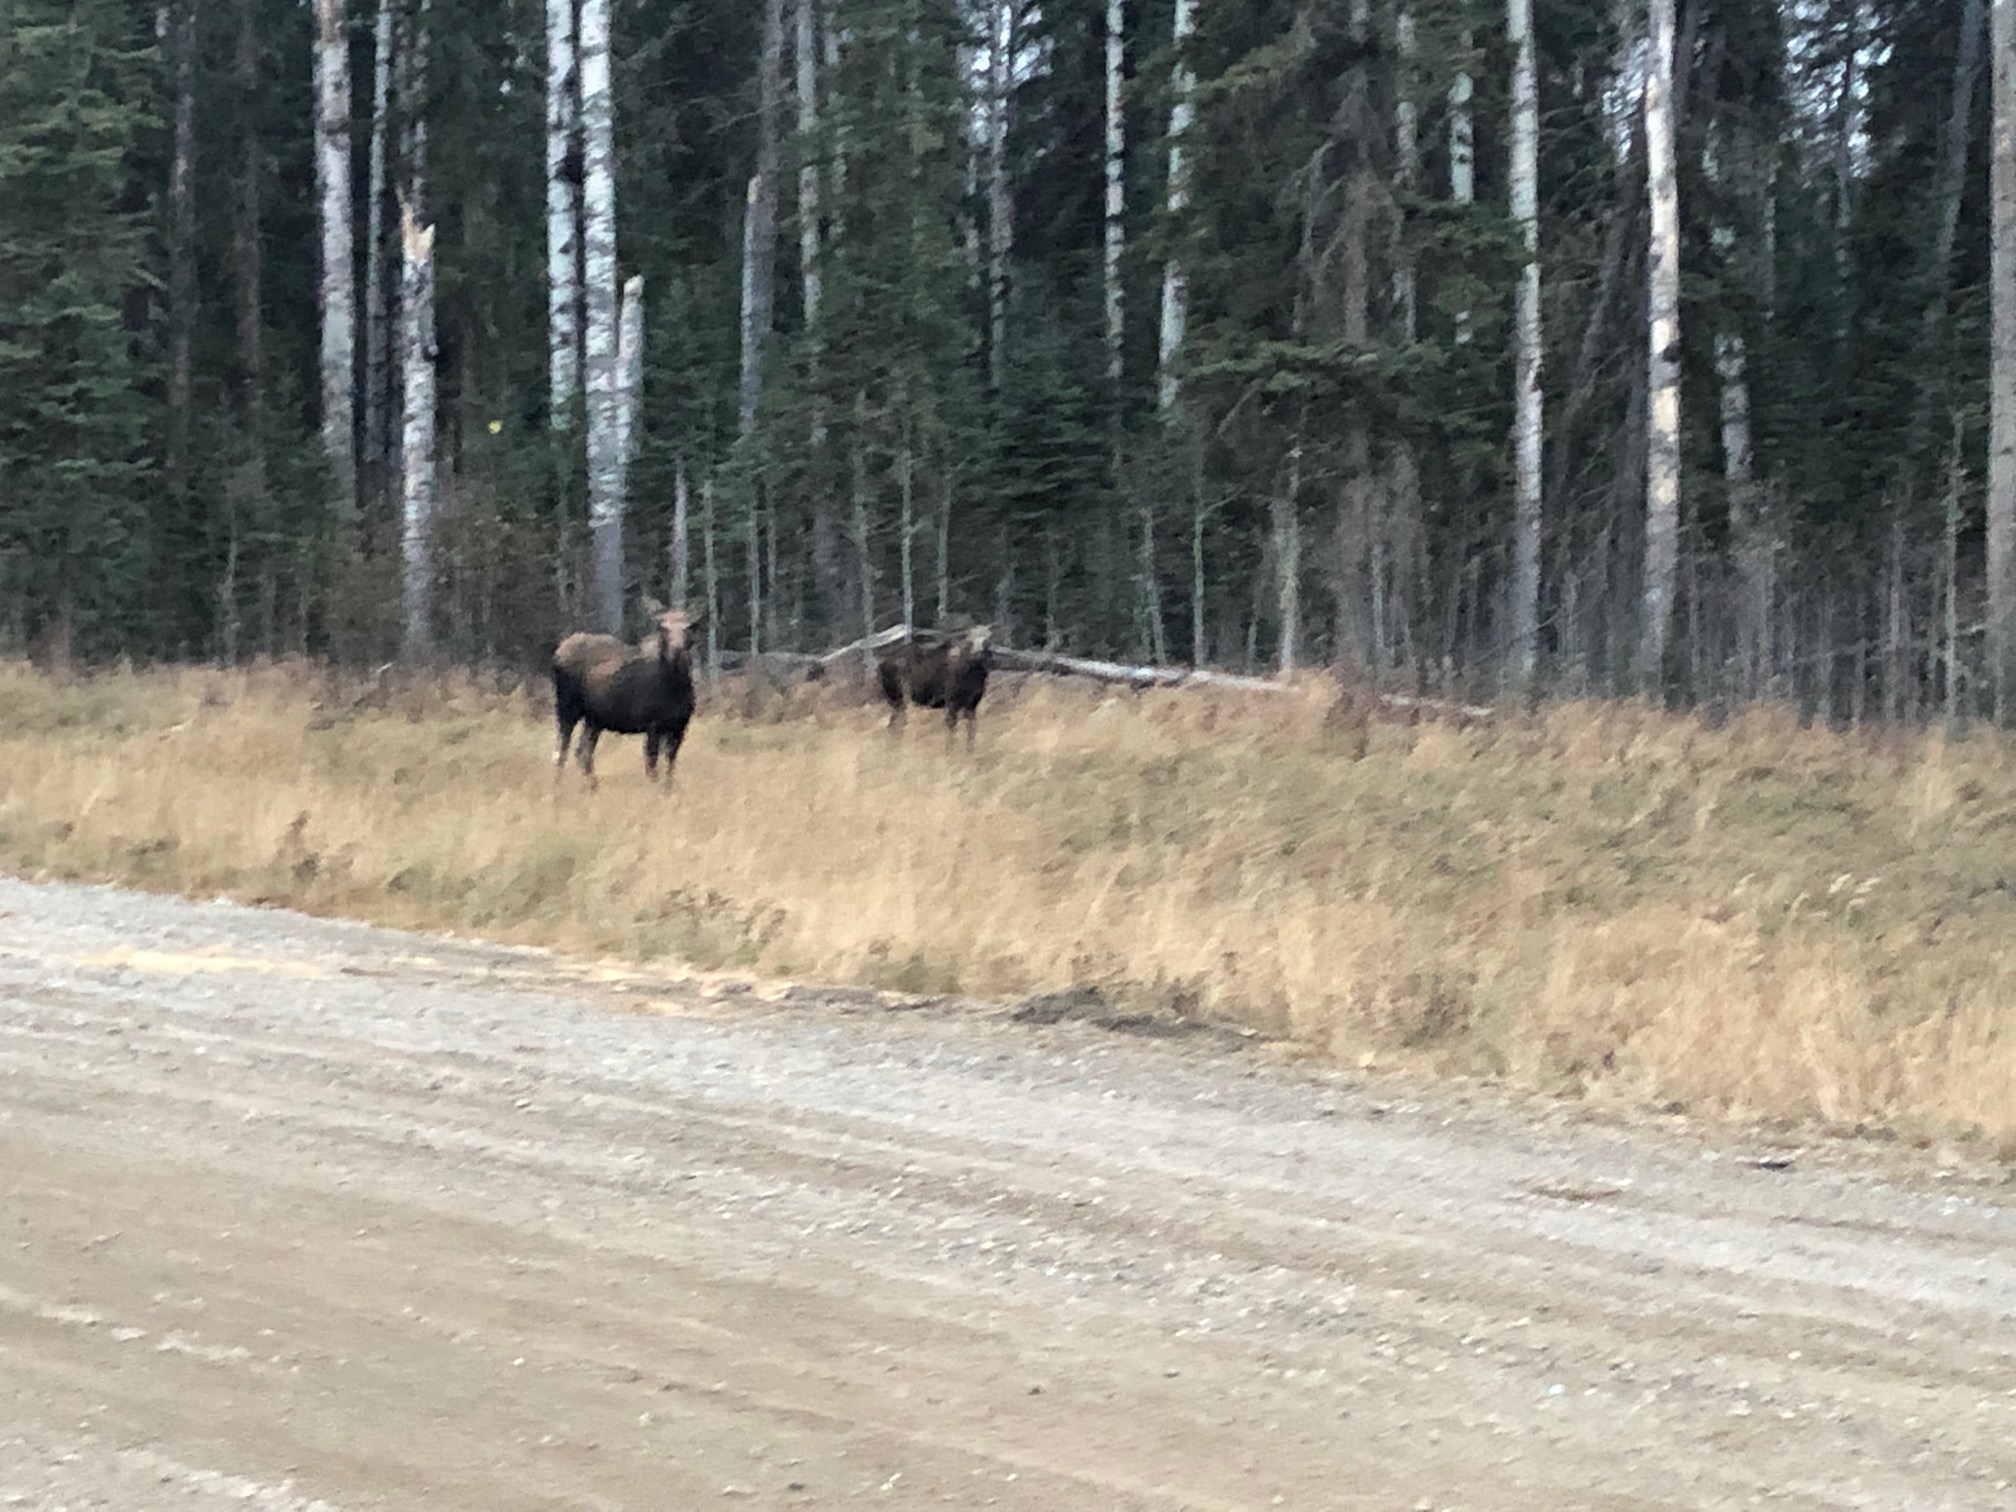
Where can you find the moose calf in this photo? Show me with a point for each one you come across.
(938, 670)
(645, 689)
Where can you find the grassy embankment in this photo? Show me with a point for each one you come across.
(1758, 920)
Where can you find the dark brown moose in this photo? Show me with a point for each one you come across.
(646, 689)
(938, 669)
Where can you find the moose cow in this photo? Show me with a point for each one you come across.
(938, 669)
(645, 689)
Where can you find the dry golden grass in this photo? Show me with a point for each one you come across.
(1756, 920)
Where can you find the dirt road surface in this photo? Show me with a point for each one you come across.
(298, 1214)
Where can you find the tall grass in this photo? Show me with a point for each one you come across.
(1758, 920)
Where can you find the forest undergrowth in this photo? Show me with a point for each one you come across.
(1754, 920)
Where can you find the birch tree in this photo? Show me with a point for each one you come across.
(1000, 206)
(1524, 177)
(1175, 278)
(563, 215)
(377, 301)
(810, 271)
(2002, 375)
(759, 224)
(1662, 409)
(1116, 184)
(629, 379)
(1463, 157)
(1727, 167)
(605, 466)
(416, 537)
(335, 296)
(180, 36)
(1406, 159)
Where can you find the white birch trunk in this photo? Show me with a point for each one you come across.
(605, 469)
(338, 297)
(563, 215)
(377, 297)
(2002, 359)
(681, 550)
(1462, 159)
(1528, 346)
(1746, 528)
(417, 469)
(1000, 205)
(1407, 157)
(811, 273)
(1175, 277)
(1662, 395)
(1116, 184)
(759, 224)
(629, 381)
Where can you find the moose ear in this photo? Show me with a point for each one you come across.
(652, 607)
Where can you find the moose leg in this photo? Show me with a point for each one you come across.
(897, 697)
(585, 753)
(674, 738)
(566, 725)
(972, 719)
(651, 755)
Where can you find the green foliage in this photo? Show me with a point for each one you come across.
(74, 301)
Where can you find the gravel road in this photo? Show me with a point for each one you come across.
(299, 1214)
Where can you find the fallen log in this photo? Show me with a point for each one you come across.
(1119, 674)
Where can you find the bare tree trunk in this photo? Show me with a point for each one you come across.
(807, 59)
(1462, 159)
(1175, 278)
(377, 294)
(713, 579)
(1953, 162)
(906, 504)
(754, 544)
(338, 298)
(1000, 205)
(863, 543)
(182, 249)
(248, 265)
(1527, 336)
(416, 537)
(680, 549)
(1662, 409)
(1199, 634)
(1896, 627)
(1728, 165)
(945, 552)
(1406, 162)
(1288, 561)
(759, 224)
(605, 470)
(2002, 386)
(563, 215)
(1116, 186)
(1954, 476)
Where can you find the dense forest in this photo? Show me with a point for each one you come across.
(1548, 345)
